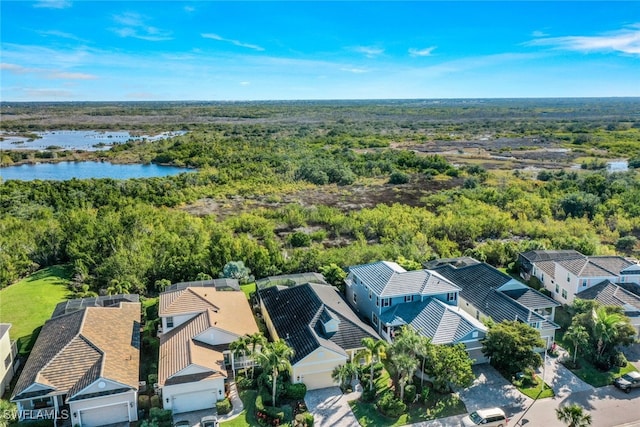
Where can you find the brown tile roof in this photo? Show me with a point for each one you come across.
(79, 347)
(179, 350)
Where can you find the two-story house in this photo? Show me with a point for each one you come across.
(199, 321)
(488, 293)
(607, 293)
(566, 273)
(318, 324)
(8, 353)
(84, 366)
(389, 297)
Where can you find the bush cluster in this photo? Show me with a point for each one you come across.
(223, 406)
(390, 406)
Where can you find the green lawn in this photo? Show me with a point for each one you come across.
(589, 374)
(247, 417)
(28, 303)
(534, 391)
(436, 406)
(248, 289)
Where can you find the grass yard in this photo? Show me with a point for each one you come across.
(534, 391)
(436, 406)
(28, 303)
(246, 417)
(248, 289)
(589, 374)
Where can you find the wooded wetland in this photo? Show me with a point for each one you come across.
(296, 186)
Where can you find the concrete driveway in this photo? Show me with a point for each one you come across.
(330, 407)
(490, 389)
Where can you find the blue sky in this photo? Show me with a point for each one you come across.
(66, 50)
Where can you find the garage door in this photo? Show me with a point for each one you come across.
(319, 380)
(194, 401)
(105, 415)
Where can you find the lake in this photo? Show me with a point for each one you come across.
(82, 170)
(78, 140)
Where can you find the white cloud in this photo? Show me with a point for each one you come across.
(233, 42)
(72, 76)
(422, 52)
(46, 73)
(135, 25)
(245, 83)
(354, 70)
(53, 4)
(369, 51)
(539, 34)
(626, 40)
(189, 9)
(60, 34)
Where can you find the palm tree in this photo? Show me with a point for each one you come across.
(342, 374)
(275, 357)
(605, 327)
(578, 336)
(404, 366)
(407, 341)
(239, 347)
(573, 415)
(256, 341)
(423, 349)
(372, 350)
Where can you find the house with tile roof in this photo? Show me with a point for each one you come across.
(84, 367)
(314, 320)
(566, 273)
(8, 353)
(198, 324)
(607, 293)
(389, 297)
(488, 293)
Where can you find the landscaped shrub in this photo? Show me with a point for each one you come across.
(152, 379)
(303, 420)
(377, 369)
(398, 177)
(223, 406)
(389, 406)
(155, 401)
(264, 382)
(245, 383)
(144, 402)
(267, 415)
(368, 395)
(295, 391)
(409, 392)
(619, 360)
(162, 417)
(299, 239)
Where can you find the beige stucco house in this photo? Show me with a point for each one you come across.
(8, 352)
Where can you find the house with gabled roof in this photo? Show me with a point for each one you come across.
(566, 273)
(198, 324)
(318, 324)
(607, 293)
(389, 297)
(488, 293)
(84, 366)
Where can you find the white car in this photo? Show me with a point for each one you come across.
(492, 417)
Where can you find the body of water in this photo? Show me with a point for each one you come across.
(83, 170)
(77, 140)
(618, 166)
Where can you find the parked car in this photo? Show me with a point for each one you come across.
(209, 421)
(492, 417)
(628, 381)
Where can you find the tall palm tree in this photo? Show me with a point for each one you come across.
(372, 350)
(578, 336)
(423, 349)
(404, 366)
(275, 357)
(407, 341)
(573, 415)
(256, 341)
(605, 327)
(239, 347)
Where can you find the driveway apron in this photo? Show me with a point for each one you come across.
(330, 407)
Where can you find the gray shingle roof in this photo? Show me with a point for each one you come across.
(608, 293)
(220, 284)
(388, 279)
(298, 312)
(531, 299)
(543, 255)
(480, 283)
(443, 323)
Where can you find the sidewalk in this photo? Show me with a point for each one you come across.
(559, 378)
(236, 404)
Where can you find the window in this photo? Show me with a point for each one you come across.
(452, 296)
(374, 318)
(169, 322)
(45, 402)
(474, 334)
(355, 298)
(386, 302)
(377, 301)
(557, 288)
(568, 277)
(408, 298)
(564, 293)
(369, 293)
(584, 283)
(7, 361)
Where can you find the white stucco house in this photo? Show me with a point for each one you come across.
(8, 353)
(198, 324)
(320, 327)
(84, 366)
